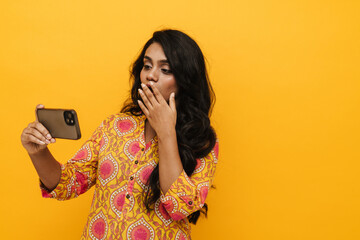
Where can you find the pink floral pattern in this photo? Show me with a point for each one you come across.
(140, 230)
(108, 169)
(98, 227)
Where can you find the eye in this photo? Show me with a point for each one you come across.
(166, 71)
(146, 67)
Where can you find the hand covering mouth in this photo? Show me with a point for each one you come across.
(149, 86)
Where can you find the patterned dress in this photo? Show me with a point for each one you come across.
(118, 162)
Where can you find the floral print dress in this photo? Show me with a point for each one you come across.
(118, 162)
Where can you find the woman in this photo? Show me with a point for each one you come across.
(153, 163)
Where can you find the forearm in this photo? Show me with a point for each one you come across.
(170, 166)
(47, 167)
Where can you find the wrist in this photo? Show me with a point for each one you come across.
(38, 152)
(166, 134)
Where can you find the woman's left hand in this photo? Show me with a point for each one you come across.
(161, 115)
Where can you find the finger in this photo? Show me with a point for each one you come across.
(29, 137)
(145, 99)
(172, 102)
(42, 130)
(149, 94)
(143, 108)
(159, 97)
(35, 133)
(33, 139)
(39, 106)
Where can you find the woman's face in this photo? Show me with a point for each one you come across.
(157, 70)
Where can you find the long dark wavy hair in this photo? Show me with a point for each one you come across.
(195, 100)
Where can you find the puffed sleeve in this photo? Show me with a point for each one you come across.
(79, 173)
(187, 194)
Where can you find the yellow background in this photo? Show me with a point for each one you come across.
(286, 75)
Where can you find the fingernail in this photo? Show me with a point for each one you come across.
(47, 141)
(151, 83)
(41, 142)
(52, 140)
(48, 136)
(143, 85)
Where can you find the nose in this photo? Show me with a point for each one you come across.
(152, 75)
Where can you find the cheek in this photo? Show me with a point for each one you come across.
(171, 85)
(168, 88)
(142, 76)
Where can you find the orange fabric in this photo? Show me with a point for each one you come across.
(118, 162)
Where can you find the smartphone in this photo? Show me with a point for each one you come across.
(61, 123)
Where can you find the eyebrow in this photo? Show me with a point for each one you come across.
(160, 61)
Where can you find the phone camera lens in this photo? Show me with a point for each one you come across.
(69, 118)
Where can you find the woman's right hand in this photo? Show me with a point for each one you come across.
(35, 137)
